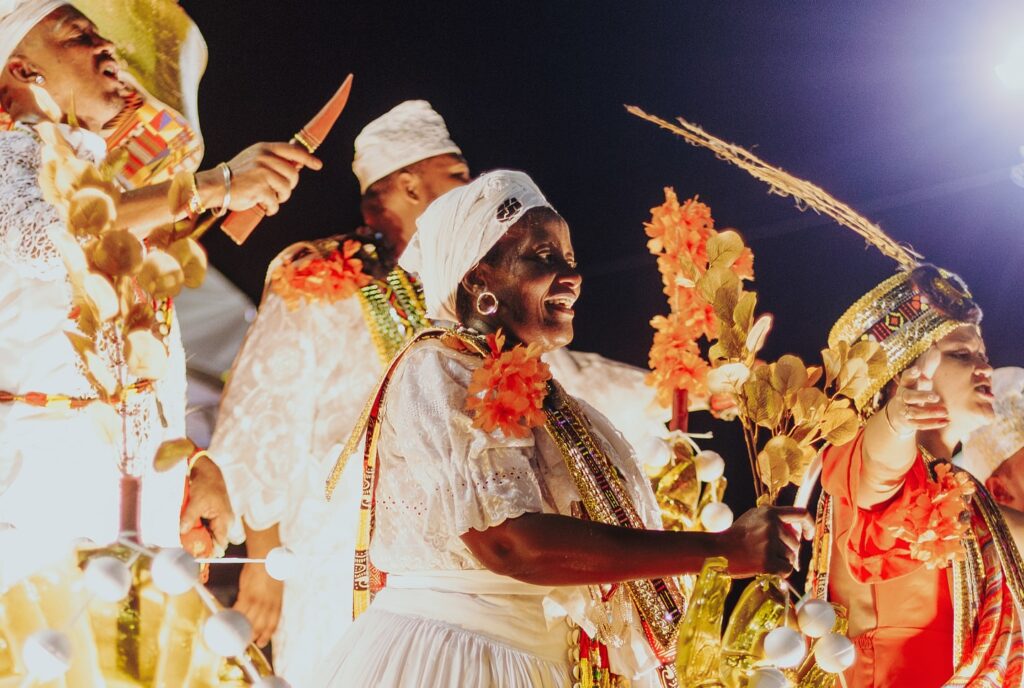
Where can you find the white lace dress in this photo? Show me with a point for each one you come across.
(58, 478)
(295, 393)
(443, 620)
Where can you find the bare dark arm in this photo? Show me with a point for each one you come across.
(551, 549)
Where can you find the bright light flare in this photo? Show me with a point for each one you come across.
(1011, 71)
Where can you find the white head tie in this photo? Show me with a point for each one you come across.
(409, 132)
(989, 446)
(17, 17)
(458, 229)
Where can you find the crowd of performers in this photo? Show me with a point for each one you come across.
(477, 545)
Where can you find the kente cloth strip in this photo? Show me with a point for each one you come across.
(659, 602)
(987, 586)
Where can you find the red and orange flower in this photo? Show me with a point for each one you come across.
(937, 519)
(507, 392)
(679, 235)
(314, 278)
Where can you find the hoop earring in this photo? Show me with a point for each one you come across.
(486, 303)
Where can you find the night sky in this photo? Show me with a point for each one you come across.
(894, 107)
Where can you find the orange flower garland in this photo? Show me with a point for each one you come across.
(936, 519)
(507, 392)
(313, 278)
(679, 235)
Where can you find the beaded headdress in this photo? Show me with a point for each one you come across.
(906, 313)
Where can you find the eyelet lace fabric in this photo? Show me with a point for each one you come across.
(439, 477)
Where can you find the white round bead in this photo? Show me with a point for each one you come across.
(784, 647)
(710, 466)
(281, 563)
(174, 571)
(768, 677)
(716, 516)
(834, 653)
(227, 633)
(816, 618)
(108, 578)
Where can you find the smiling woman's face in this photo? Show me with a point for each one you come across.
(532, 272)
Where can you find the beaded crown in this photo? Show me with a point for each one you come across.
(905, 314)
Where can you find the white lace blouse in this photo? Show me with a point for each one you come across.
(58, 477)
(295, 393)
(438, 477)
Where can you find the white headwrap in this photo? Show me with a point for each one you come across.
(460, 227)
(989, 446)
(17, 17)
(409, 132)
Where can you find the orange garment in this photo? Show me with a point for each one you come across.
(901, 613)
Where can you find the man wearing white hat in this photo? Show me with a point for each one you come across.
(334, 310)
(58, 478)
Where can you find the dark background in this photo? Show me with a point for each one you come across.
(894, 107)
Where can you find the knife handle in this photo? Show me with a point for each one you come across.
(239, 224)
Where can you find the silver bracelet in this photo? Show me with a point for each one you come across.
(225, 171)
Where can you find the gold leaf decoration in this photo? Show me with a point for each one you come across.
(146, 355)
(724, 248)
(118, 253)
(789, 374)
(840, 425)
(172, 452)
(101, 295)
(90, 211)
(192, 258)
(161, 275)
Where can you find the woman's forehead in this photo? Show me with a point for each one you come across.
(543, 224)
(965, 334)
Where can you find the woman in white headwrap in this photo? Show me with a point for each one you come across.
(58, 477)
(481, 533)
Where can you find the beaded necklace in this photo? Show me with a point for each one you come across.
(394, 310)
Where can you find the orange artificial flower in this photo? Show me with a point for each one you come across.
(679, 235)
(937, 518)
(675, 360)
(313, 278)
(507, 392)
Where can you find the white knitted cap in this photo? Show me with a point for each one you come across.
(409, 132)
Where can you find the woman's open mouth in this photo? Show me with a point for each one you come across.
(561, 305)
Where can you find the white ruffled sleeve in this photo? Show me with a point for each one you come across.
(25, 216)
(472, 479)
(265, 424)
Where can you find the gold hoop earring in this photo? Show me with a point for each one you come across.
(486, 303)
